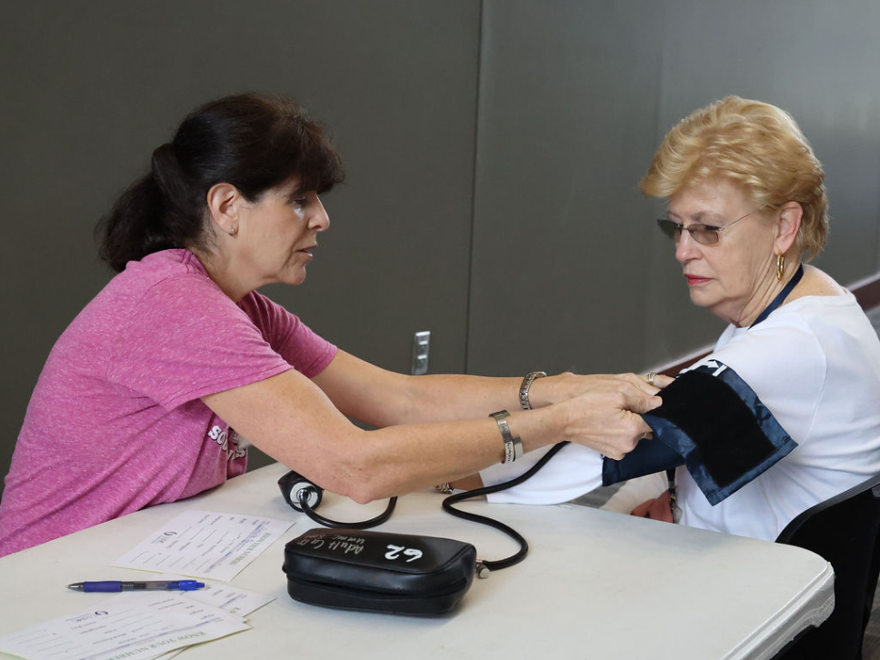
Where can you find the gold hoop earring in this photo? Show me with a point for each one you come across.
(780, 266)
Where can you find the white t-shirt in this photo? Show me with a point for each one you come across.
(815, 364)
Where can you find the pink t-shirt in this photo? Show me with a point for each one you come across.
(116, 423)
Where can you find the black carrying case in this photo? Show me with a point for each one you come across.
(378, 571)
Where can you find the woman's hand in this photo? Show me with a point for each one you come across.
(656, 509)
(564, 386)
(607, 419)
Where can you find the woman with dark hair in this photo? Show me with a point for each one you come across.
(144, 396)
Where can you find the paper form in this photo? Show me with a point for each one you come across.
(234, 600)
(230, 599)
(205, 544)
(130, 626)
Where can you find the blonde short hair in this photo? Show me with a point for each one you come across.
(751, 143)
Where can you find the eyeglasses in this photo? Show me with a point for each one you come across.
(702, 234)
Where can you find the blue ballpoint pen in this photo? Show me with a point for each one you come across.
(110, 586)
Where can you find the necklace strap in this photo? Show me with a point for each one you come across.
(781, 296)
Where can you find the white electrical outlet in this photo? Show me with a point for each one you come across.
(421, 346)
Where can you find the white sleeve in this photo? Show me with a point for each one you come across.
(783, 362)
(575, 470)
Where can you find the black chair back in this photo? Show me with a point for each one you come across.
(843, 530)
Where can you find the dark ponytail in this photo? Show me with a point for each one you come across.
(252, 141)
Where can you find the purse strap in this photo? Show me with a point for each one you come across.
(484, 566)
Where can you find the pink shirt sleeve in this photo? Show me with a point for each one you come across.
(186, 339)
(290, 337)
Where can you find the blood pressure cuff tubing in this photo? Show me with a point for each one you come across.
(712, 422)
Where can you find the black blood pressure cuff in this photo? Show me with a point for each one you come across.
(712, 422)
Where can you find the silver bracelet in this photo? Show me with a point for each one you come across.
(512, 443)
(524, 388)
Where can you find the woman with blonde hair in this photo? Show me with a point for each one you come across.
(746, 208)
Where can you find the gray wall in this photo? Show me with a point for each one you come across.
(493, 150)
(95, 86)
(568, 270)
